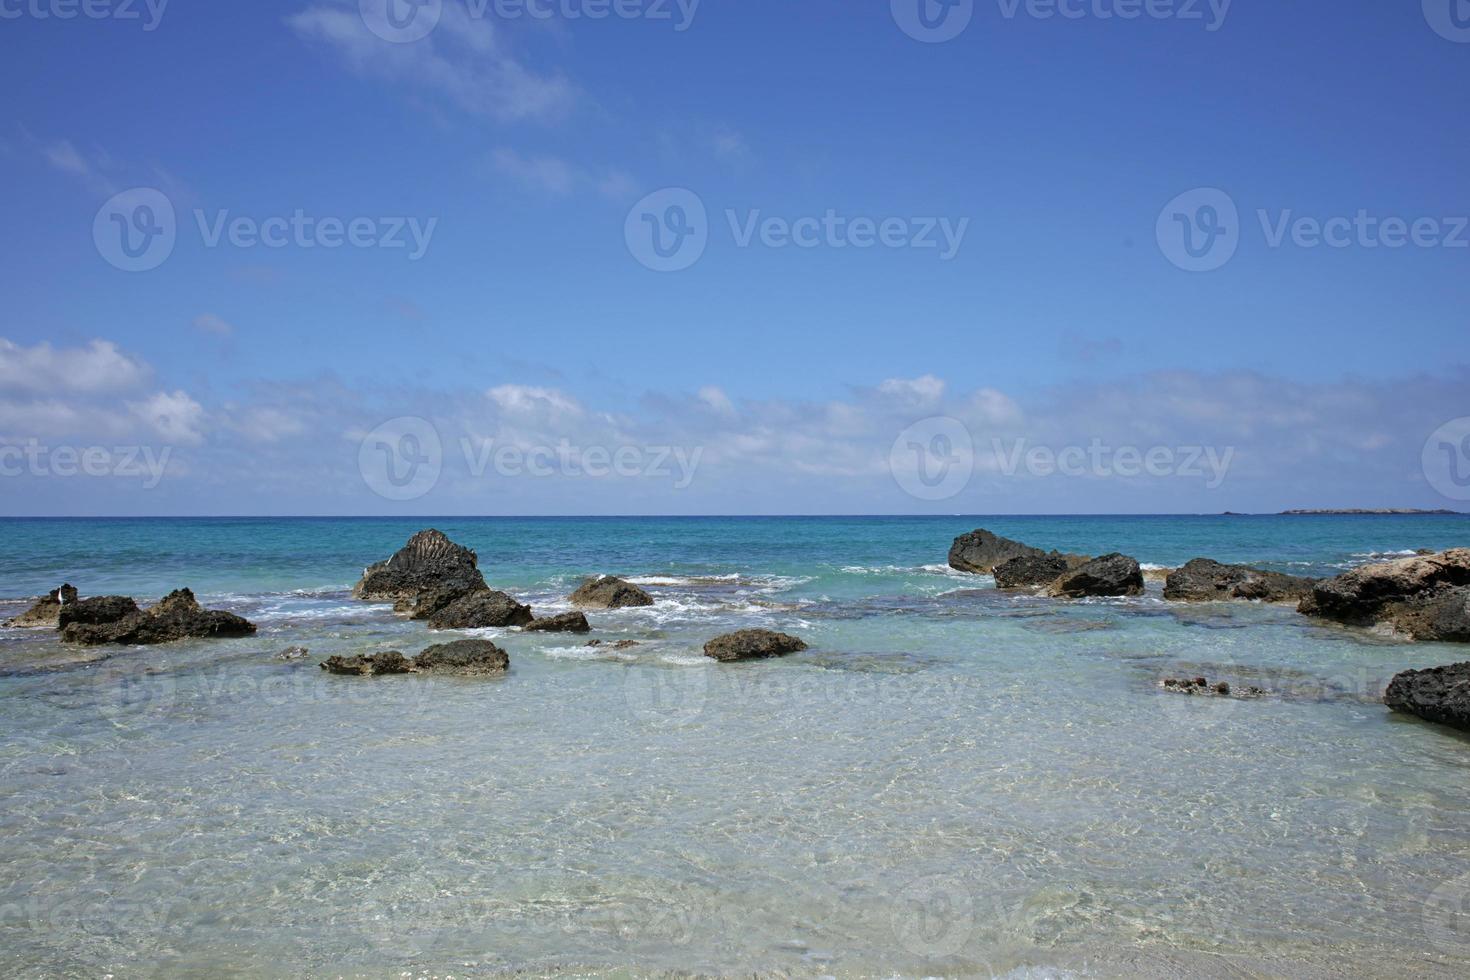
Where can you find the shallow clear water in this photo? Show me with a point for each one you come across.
(951, 781)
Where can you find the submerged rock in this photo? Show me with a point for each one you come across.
(45, 613)
(177, 616)
(1423, 596)
(1439, 694)
(1110, 575)
(481, 609)
(463, 657)
(1206, 580)
(752, 645)
(980, 551)
(372, 665)
(569, 622)
(618, 645)
(1031, 571)
(1202, 687)
(610, 592)
(427, 561)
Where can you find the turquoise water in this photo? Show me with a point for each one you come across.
(950, 781)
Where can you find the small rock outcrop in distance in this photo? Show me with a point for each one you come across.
(1033, 571)
(1424, 596)
(609, 592)
(429, 560)
(1110, 575)
(1439, 694)
(568, 622)
(117, 619)
(463, 657)
(752, 645)
(479, 610)
(44, 614)
(1207, 580)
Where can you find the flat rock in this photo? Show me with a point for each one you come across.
(1110, 575)
(1207, 580)
(609, 592)
(47, 610)
(481, 609)
(980, 551)
(463, 657)
(1439, 694)
(752, 645)
(428, 560)
(569, 622)
(372, 665)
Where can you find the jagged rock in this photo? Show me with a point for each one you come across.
(432, 601)
(609, 592)
(1029, 571)
(1418, 595)
(1439, 694)
(1206, 580)
(372, 665)
(45, 613)
(480, 609)
(177, 616)
(980, 551)
(752, 645)
(1110, 575)
(463, 657)
(570, 622)
(429, 560)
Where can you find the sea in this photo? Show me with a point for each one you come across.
(950, 781)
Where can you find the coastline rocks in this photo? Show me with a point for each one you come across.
(377, 664)
(570, 622)
(1422, 595)
(609, 592)
(752, 645)
(1206, 580)
(1110, 575)
(1031, 571)
(45, 613)
(428, 560)
(480, 609)
(1439, 694)
(463, 657)
(117, 619)
(434, 600)
(1201, 687)
(980, 551)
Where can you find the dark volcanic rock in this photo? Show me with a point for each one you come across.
(1110, 575)
(1418, 594)
(463, 657)
(429, 559)
(389, 662)
(46, 611)
(177, 616)
(570, 622)
(481, 609)
(980, 551)
(1439, 694)
(1030, 571)
(752, 645)
(435, 600)
(1206, 580)
(609, 592)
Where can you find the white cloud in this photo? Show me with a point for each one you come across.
(920, 392)
(555, 176)
(174, 417)
(97, 367)
(522, 400)
(211, 323)
(717, 400)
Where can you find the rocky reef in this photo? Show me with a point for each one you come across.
(1426, 597)
(462, 657)
(1207, 580)
(752, 645)
(117, 619)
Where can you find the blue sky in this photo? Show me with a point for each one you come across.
(521, 146)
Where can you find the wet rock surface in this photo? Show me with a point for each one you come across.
(752, 645)
(610, 592)
(429, 560)
(1207, 580)
(463, 657)
(570, 622)
(117, 619)
(1110, 575)
(1378, 592)
(980, 551)
(47, 610)
(371, 665)
(479, 610)
(1034, 571)
(1439, 694)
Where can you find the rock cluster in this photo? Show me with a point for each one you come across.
(117, 619)
(43, 615)
(1206, 580)
(462, 657)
